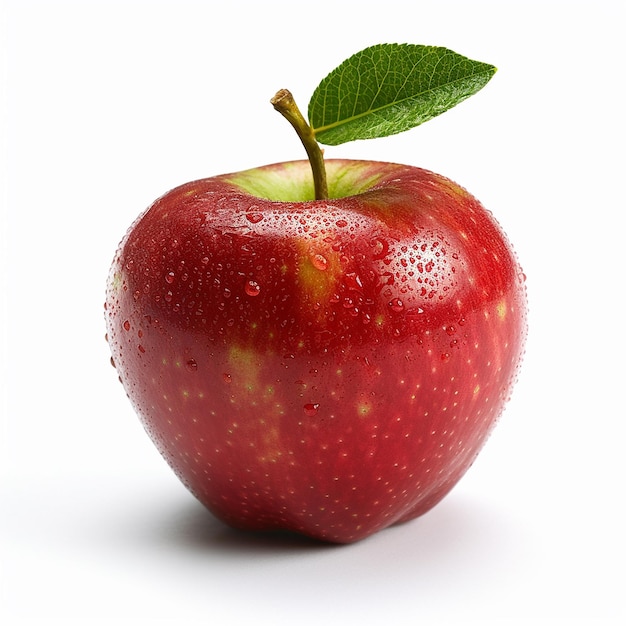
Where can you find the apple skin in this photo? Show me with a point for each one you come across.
(327, 367)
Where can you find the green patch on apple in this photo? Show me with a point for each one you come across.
(291, 182)
(347, 332)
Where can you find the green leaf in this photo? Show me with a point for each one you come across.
(390, 88)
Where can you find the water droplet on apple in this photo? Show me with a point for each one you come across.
(168, 296)
(415, 312)
(445, 357)
(380, 248)
(191, 365)
(126, 325)
(227, 378)
(353, 281)
(319, 261)
(169, 277)
(252, 288)
(311, 409)
(141, 349)
(254, 218)
(396, 305)
(451, 330)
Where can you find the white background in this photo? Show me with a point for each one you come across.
(106, 105)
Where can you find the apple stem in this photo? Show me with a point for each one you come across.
(285, 104)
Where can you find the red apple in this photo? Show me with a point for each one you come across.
(328, 367)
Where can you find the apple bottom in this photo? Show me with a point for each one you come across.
(332, 451)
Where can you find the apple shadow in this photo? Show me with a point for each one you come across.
(194, 527)
(457, 526)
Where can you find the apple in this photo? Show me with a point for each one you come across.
(324, 366)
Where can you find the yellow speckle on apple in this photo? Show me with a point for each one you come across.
(116, 282)
(317, 280)
(363, 409)
(247, 368)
